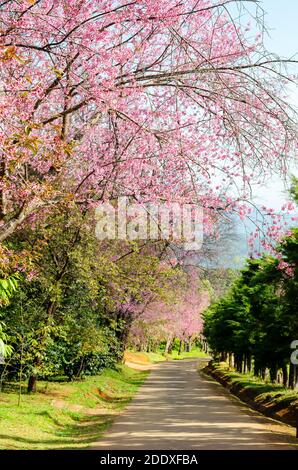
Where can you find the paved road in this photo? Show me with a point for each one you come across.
(179, 409)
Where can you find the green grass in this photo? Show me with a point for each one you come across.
(69, 415)
(262, 390)
(273, 397)
(258, 387)
(155, 357)
(159, 356)
(195, 352)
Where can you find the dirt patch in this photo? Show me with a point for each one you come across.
(4, 400)
(135, 366)
(105, 396)
(50, 391)
(96, 411)
(282, 409)
(100, 411)
(61, 404)
(138, 358)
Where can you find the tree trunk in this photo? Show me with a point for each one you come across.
(229, 359)
(239, 363)
(249, 363)
(273, 373)
(295, 377)
(168, 345)
(232, 360)
(285, 376)
(32, 382)
(257, 371)
(291, 375)
(223, 357)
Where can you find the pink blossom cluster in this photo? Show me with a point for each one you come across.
(161, 321)
(156, 100)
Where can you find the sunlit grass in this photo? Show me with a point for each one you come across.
(68, 415)
(159, 356)
(272, 396)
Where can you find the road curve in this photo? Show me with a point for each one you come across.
(180, 409)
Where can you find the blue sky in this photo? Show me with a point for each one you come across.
(282, 24)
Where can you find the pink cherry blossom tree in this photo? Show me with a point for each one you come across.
(149, 99)
(164, 321)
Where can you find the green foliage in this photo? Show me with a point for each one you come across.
(73, 318)
(76, 343)
(7, 288)
(257, 319)
(5, 349)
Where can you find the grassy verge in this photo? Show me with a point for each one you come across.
(270, 399)
(66, 415)
(185, 355)
(155, 357)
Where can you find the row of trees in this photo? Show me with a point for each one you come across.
(161, 323)
(254, 325)
(72, 314)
